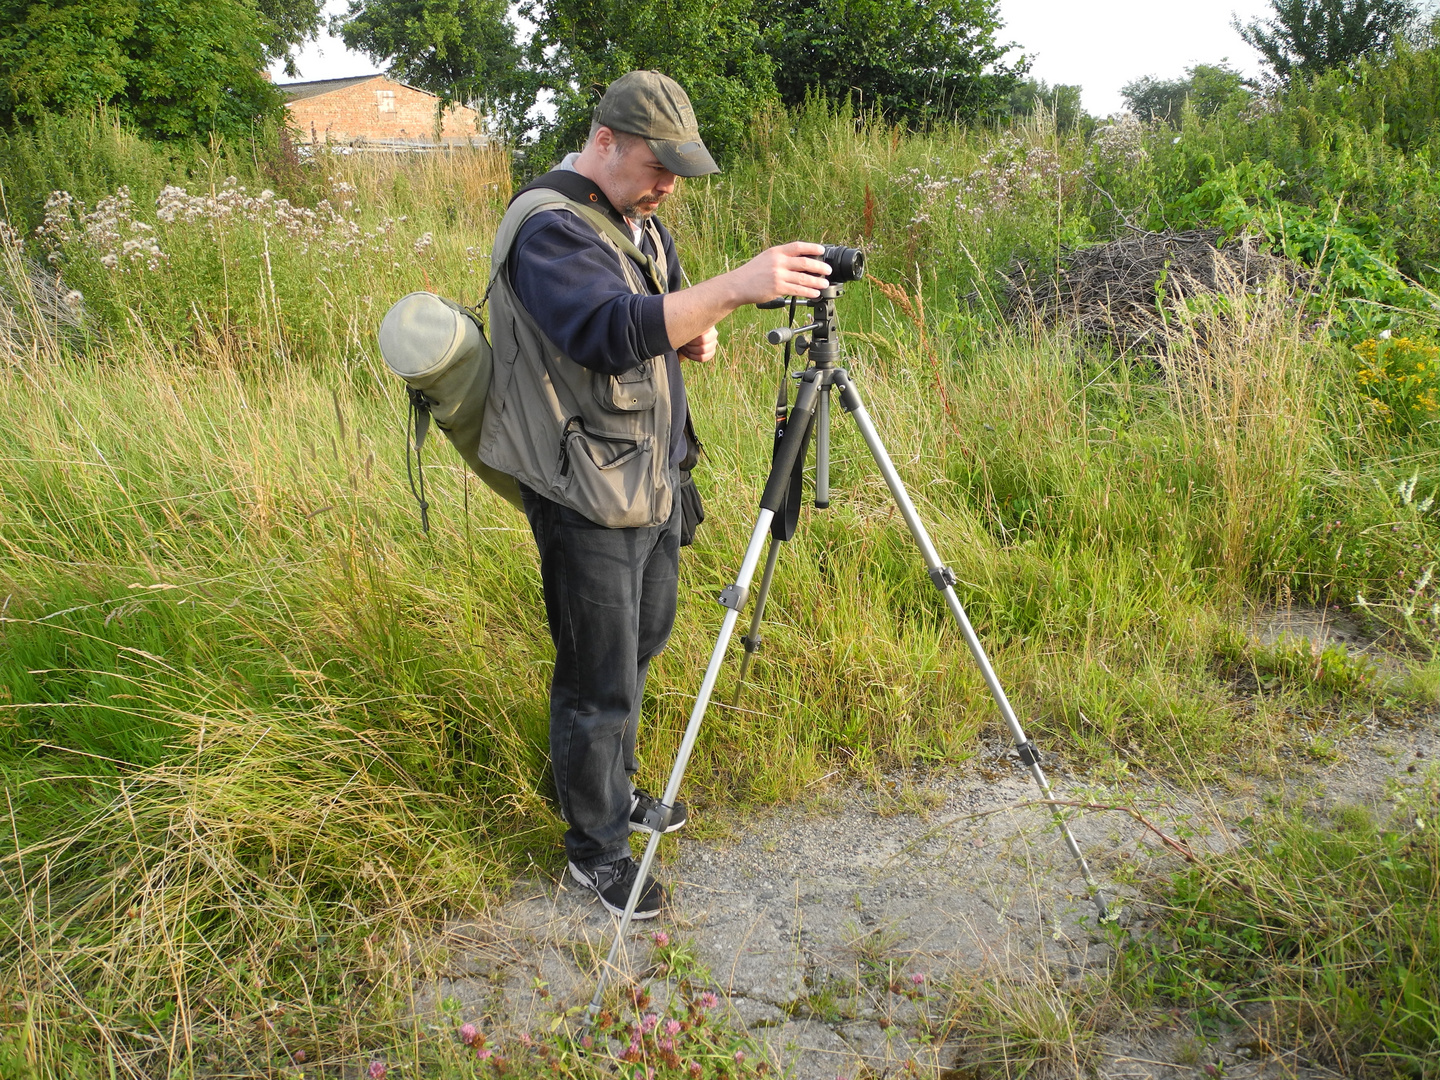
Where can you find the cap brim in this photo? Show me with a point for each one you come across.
(688, 158)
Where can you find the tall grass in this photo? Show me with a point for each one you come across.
(256, 729)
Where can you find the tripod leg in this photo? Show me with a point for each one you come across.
(733, 598)
(944, 579)
(752, 640)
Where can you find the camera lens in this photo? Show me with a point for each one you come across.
(846, 264)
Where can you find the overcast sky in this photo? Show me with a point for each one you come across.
(1099, 44)
(1104, 44)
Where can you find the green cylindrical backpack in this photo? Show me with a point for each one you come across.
(439, 348)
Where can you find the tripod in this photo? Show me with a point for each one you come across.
(779, 514)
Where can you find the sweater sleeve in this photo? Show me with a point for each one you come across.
(571, 283)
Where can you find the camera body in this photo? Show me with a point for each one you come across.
(846, 263)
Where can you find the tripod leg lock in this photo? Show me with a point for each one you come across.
(752, 644)
(1029, 752)
(943, 578)
(734, 597)
(657, 818)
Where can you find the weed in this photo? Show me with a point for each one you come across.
(1023, 1022)
(1333, 927)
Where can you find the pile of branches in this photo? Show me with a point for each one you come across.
(35, 307)
(1136, 290)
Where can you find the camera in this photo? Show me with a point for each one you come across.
(846, 263)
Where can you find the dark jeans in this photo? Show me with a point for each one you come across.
(610, 601)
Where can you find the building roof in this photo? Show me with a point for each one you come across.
(297, 91)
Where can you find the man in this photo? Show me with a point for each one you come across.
(587, 410)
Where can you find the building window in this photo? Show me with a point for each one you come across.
(385, 100)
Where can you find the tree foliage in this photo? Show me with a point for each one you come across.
(1207, 87)
(914, 60)
(458, 50)
(1306, 37)
(287, 24)
(1061, 101)
(172, 68)
(712, 48)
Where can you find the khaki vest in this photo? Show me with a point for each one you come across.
(599, 444)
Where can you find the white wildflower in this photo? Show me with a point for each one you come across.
(1406, 490)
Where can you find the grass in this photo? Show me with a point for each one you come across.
(1333, 927)
(257, 731)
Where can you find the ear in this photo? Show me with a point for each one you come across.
(604, 139)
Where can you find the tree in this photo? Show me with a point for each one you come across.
(914, 60)
(1061, 101)
(287, 24)
(1206, 86)
(1212, 86)
(173, 68)
(459, 50)
(1307, 37)
(712, 48)
(1150, 98)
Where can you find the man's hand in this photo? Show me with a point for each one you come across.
(786, 270)
(701, 349)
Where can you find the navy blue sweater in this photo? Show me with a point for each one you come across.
(571, 282)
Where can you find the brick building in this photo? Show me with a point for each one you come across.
(372, 110)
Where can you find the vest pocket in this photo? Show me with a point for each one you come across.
(630, 391)
(607, 477)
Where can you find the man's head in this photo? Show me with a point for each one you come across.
(652, 106)
(643, 136)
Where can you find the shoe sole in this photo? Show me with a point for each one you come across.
(618, 911)
(635, 826)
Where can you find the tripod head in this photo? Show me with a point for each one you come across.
(819, 337)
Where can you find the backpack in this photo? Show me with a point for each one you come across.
(439, 348)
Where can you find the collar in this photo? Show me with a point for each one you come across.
(582, 189)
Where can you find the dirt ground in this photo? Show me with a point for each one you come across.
(810, 918)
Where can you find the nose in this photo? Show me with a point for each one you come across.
(666, 184)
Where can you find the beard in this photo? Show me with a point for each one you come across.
(642, 208)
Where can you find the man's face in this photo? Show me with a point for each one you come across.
(634, 180)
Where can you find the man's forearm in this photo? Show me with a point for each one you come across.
(690, 312)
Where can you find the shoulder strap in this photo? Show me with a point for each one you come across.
(533, 200)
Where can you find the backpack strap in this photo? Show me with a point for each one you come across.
(532, 201)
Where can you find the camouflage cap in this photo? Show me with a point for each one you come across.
(652, 105)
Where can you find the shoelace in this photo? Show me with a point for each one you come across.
(622, 872)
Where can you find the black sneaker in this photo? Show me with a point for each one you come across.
(642, 802)
(613, 881)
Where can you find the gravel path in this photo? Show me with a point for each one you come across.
(811, 919)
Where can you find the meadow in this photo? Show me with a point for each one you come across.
(258, 731)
